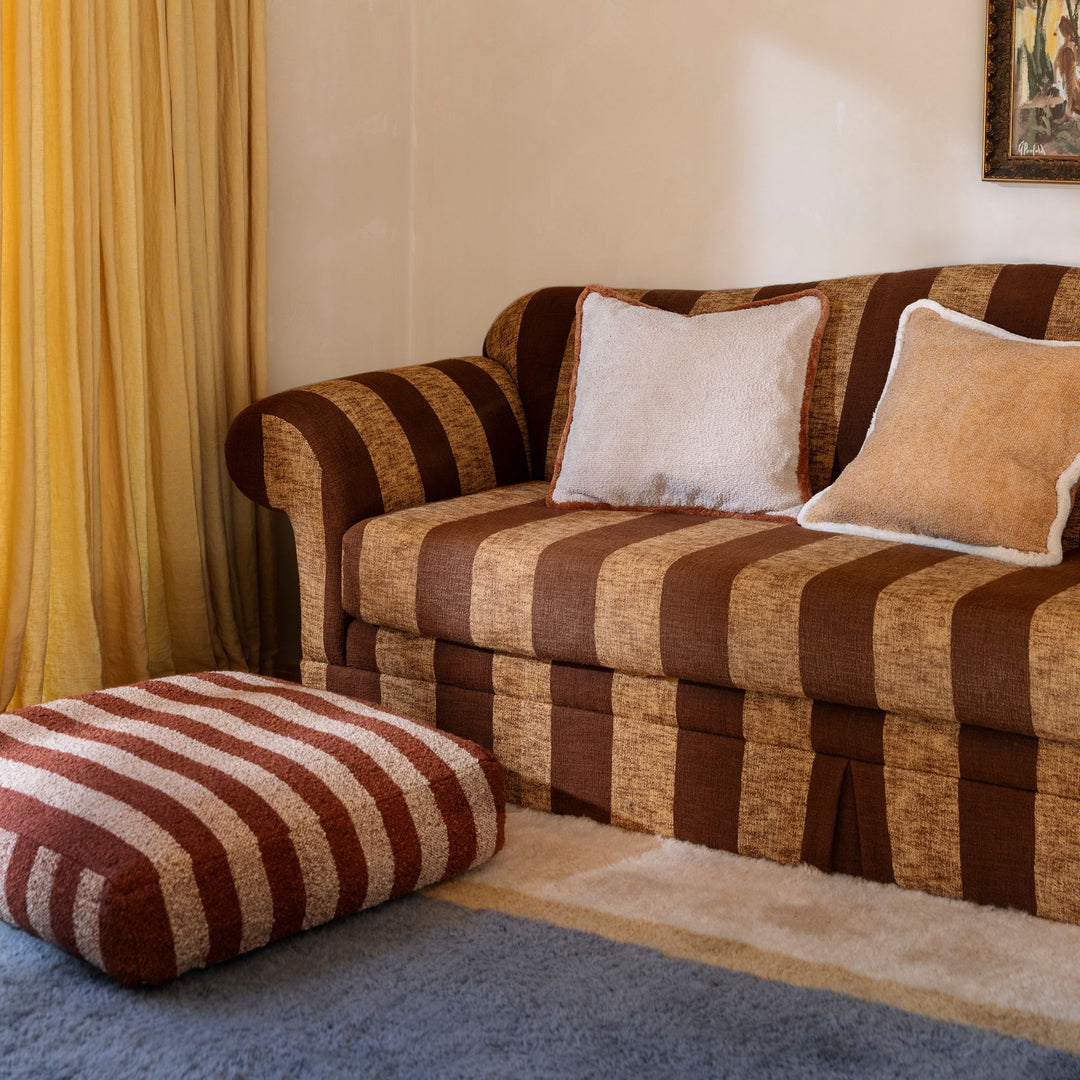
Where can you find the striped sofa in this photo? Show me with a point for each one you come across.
(904, 713)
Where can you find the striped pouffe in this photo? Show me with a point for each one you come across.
(161, 827)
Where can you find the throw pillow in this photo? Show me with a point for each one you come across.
(974, 447)
(690, 412)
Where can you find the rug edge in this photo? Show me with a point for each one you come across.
(778, 967)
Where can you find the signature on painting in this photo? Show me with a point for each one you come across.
(1046, 79)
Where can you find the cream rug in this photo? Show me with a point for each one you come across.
(1001, 970)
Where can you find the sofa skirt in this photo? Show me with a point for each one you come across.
(951, 809)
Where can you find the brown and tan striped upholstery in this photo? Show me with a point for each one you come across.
(956, 810)
(750, 605)
(161, 827)
(533, 340)
(905, 713)
(333, 453)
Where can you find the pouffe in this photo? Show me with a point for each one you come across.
(165, 826)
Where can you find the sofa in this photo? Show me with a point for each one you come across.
(899, 712)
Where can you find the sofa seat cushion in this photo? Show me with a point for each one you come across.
(745, 604)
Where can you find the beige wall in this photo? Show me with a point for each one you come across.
(430, 160)
(339, 103)
(339, 117)
(673, 142)
(702, 143)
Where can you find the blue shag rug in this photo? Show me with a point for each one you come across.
(424, 988)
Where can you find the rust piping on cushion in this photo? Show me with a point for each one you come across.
(804, 414)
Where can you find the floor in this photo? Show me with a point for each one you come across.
(998, 969)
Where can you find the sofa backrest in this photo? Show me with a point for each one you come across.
(533, 339)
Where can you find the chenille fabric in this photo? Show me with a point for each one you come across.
(346, 449)
(533, 340)
(974, 444)
(874, 707)
(750, 605)
(706, 412)
(942, 806)
(156, 828)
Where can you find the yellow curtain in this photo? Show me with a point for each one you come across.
(132, 328)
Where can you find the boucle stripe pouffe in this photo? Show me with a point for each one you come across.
(156, 828)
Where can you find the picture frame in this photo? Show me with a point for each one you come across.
(1032, 91)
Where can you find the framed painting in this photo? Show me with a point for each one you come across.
(1032, 91)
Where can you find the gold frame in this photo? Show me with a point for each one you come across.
(999, 162)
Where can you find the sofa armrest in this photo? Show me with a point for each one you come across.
(336, 452)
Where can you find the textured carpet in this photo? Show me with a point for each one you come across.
(1005, 971)
(425, 988)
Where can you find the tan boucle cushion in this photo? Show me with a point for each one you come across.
(161, 827)
(705, 412)
(975, 444)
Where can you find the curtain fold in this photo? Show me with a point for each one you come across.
(132, 328)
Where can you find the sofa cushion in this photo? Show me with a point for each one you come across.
(704, 412)
(533, 340)
(156, 828)
(975, 444)
(727, 602)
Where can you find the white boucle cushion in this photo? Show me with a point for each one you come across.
(691, 412)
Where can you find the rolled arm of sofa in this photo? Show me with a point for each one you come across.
(336, 452)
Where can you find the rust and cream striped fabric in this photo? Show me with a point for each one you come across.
(949, 808)
(165, 826)
(338, 451)
(745, 604)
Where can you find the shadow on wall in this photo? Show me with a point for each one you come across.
(860, 140)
